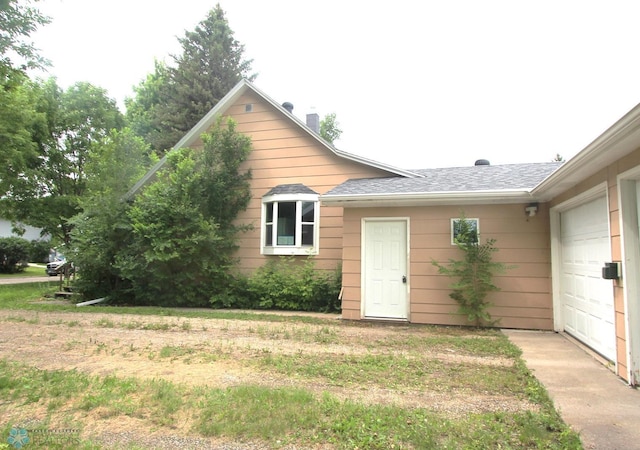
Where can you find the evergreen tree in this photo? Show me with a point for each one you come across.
(177, 96)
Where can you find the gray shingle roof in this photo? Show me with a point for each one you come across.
(296, 188)
(507, 177)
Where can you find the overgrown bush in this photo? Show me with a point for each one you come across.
(14, 254)
(473, 274)
(183, 233)
(289, 284)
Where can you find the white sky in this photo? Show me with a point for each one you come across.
(415, 84)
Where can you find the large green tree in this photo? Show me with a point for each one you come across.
(48, 194)
(19, 122)
(18, 19)
(176, 96)
(102, 230)
(142, 109)
(183, 237)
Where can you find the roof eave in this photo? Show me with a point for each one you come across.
(428, 198)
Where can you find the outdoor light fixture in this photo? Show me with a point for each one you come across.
(531, 210)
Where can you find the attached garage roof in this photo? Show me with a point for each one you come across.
(512, 182)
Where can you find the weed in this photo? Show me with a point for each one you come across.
(104, 323)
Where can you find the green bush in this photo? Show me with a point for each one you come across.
(291, 284)
(14, 254)
(39, 251)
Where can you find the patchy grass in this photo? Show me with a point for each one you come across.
(310, 385)
(281, 415)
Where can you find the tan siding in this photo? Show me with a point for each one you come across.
(284, 153)
(525, 297)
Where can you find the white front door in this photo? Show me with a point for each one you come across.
(385, 283)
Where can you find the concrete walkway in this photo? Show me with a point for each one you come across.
(590, 397)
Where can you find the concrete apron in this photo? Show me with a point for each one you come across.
(590, 397)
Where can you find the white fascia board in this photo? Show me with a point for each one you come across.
(622, 138)
(426, 199)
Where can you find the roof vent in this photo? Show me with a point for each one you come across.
(288, 106)
(482, 162)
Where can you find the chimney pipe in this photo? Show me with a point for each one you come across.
(313, 122)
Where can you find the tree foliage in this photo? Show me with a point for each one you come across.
(182, 232)
(330, 128)
(142, 109)
(19, 121)
(171, 101)
(473, 274)
(47, 193)
(102, 230)
(18, 20)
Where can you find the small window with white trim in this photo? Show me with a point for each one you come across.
(465, 230)
(290, 215)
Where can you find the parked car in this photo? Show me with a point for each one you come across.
(53, 266)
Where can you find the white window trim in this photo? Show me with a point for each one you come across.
(298, 248)
(477, 221)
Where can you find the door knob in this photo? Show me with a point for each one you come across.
(404, 278)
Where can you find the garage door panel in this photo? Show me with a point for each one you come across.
(587, 299)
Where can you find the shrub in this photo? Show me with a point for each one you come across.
(473, 274)
(14, 254)
(290, 284)
(39, 251)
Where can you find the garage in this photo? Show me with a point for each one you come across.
(587, 298)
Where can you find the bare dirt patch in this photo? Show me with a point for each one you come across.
(222, 353)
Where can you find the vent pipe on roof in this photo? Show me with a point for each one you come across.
(482, 162)
(313, 122)
(288, 106)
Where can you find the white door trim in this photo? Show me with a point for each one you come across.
(363, 255)
(630, 247)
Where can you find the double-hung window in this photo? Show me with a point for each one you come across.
(290, 221)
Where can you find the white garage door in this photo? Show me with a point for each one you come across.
(587, 299)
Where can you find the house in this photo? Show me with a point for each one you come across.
(30, 233)
(557, 224)
(573, 237)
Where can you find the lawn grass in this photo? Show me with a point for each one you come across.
(283, 415)
(30, 271)
(292, 414)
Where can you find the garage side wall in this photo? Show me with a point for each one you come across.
(523, 242)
